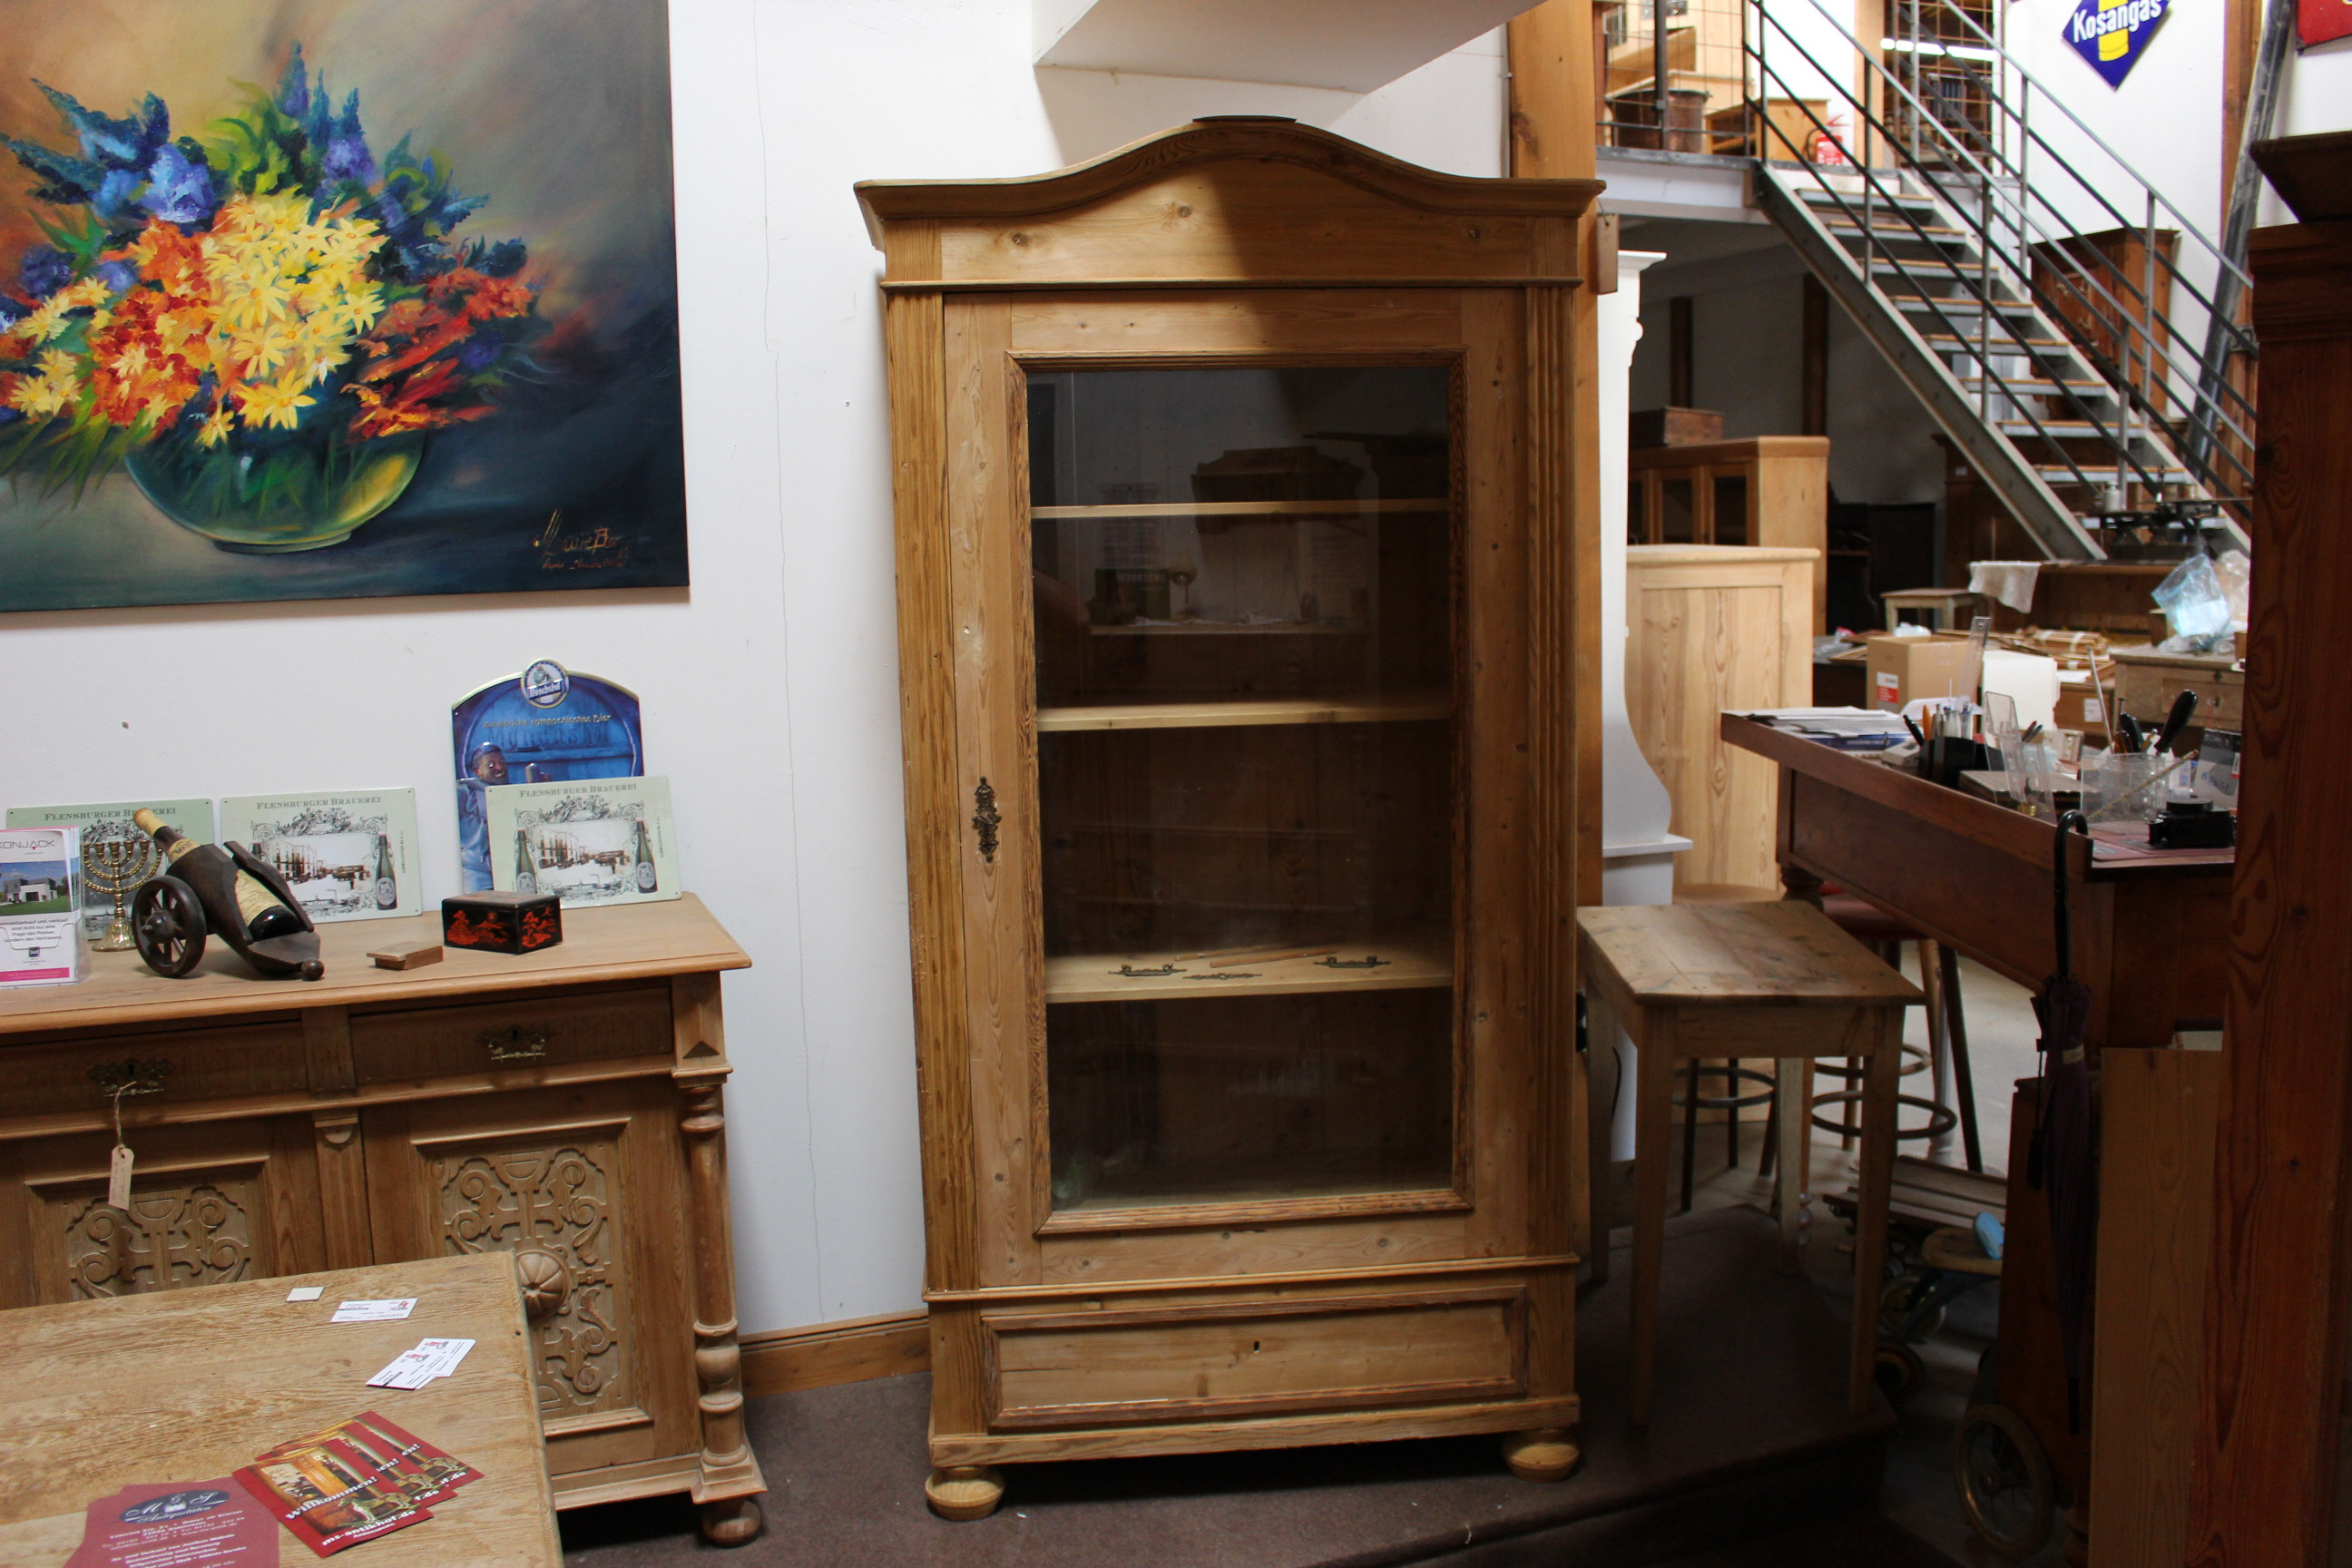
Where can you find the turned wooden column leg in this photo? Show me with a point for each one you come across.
(1543, 1455)
(1654, 1110)
(730, 1480)
(964, 1492)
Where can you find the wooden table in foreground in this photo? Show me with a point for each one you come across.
(2150, 936)
(562, 1106)
(190, 1385)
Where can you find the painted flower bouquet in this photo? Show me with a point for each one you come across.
(261, 326)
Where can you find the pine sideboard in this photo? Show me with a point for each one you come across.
(563, 1106)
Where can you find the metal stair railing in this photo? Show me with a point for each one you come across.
(2011, 225)
(2214, 411)
(1861, 211)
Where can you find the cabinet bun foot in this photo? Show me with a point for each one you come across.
(731, 1521)
(1543, 1455)
(964, 1492)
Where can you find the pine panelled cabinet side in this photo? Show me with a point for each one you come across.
(1240, 595)
(2268, 1481)
(562, 1106)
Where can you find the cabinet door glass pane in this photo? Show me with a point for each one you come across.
(1731, 509)
(1676, 511)
(1242, 585)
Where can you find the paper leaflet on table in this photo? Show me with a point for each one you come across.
(214, 1522)
(328, 1496)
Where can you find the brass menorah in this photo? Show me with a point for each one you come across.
(114, 866)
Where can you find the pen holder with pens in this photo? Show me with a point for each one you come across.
(1948, 756)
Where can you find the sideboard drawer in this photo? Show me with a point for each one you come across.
(549, 1031)
(228, 1063)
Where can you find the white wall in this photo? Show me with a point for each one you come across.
(770, 687)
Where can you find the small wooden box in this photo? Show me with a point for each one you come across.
(1674, 427)
(502, 923)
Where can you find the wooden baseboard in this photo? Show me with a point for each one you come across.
(851, 1350)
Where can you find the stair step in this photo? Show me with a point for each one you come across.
(1958, 305)
(2097, 475)
(1999, 343)
(1838, 223)
(1817, 195)
(2035, 387)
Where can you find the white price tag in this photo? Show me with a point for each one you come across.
(306, 1292)
(374, 1311)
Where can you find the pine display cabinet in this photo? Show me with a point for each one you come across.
(1242, 594)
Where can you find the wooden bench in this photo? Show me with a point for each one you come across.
(1729, 981)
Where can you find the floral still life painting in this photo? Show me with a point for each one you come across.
(379, 297)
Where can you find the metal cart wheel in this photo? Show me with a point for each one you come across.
(2004, 1481)
(168, 924)
(1900, 1300)
(1898, 1371)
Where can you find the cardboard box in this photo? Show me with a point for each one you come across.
(1674, 427)
(1902, 670)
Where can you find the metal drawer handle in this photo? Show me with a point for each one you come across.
(515, 1044)
(120, 1080)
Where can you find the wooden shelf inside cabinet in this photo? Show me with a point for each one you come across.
(1228, 629)
(1413, 963)
(1433, 505)
(1238, 711)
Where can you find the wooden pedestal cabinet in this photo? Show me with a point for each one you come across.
(1239, 597)
(563, 1107)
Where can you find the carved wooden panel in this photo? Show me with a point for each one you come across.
(210, 1204)
(171, 1236)
(554, 1204)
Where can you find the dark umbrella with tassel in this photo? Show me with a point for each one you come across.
(2064, 1162)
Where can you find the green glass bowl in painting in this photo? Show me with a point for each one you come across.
(297, 497)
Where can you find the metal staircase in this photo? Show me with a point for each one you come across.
(2049, 319)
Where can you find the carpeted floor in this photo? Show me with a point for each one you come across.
(1751, 1439)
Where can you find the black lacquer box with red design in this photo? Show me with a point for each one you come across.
(502, 923)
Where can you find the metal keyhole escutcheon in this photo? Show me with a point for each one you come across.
(984, 818)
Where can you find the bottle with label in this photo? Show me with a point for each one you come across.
(265, 916)
(526, 870)
(387, 888)
(646, 879)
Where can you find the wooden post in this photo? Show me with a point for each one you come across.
(726, 1489)
(2271, 1390)
(1679, 354)
(1555, 98)
(1813, 394)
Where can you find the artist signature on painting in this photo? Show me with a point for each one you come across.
(585, 549)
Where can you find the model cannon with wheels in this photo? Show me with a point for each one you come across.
(209, 890)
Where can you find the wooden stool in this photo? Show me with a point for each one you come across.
(1943, 604)
(1728, 980)
(1948, 1027)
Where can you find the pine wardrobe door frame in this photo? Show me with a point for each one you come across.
(989, 344)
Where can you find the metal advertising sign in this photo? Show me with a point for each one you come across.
(2321, 21)
(2113, 35)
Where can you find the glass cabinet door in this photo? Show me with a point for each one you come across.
(1243, 591)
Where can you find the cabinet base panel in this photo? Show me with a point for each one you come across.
(657, 1478)
(950, 1450)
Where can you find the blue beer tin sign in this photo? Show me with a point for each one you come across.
(2113, 34)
